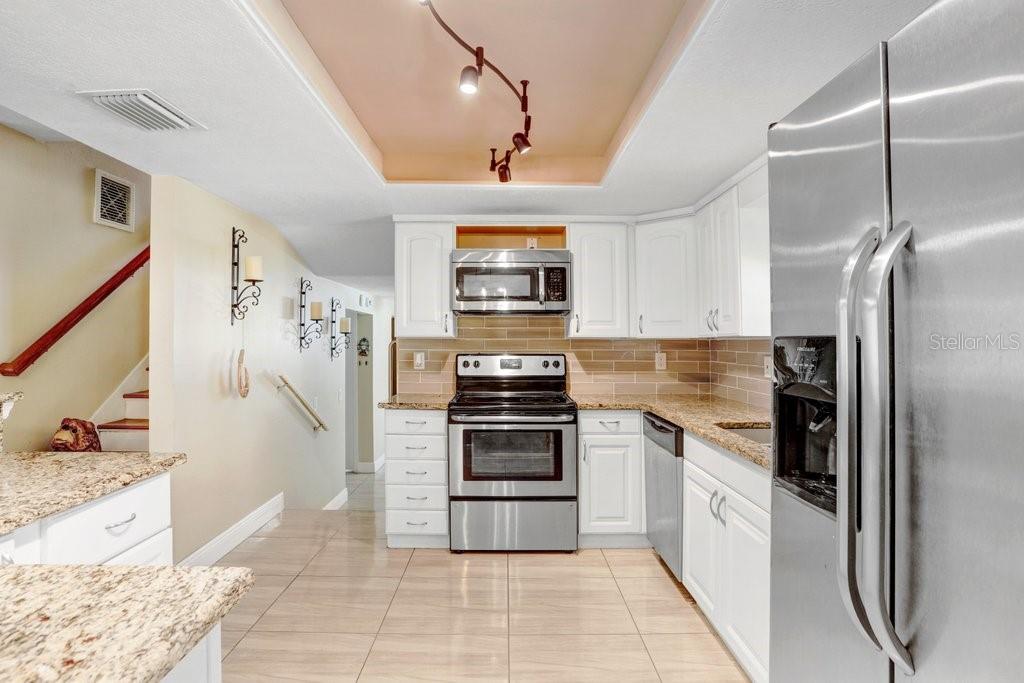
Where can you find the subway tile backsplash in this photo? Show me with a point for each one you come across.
(596, 366)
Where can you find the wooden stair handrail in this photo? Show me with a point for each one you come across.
(55, 333)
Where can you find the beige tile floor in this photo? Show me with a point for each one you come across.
(333, 603)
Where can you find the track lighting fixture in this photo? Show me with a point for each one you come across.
(469, 83)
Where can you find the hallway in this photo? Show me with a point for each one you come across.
(331, 602)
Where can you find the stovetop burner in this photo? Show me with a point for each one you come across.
(526, 382)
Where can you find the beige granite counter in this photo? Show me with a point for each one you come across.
(37, 485)
(699, 415)
(108, 623)
(417, 402)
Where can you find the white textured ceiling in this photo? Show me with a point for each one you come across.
(272, 149)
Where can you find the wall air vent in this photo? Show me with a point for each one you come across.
(143, 109)
(114, 203)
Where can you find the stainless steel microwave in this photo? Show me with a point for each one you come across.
(511, 281)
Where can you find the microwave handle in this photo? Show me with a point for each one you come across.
(541, 285)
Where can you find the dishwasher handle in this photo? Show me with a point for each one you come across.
(665, 434)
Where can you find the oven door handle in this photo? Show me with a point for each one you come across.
(514, 418)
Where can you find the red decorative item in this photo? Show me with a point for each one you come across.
(75, 435)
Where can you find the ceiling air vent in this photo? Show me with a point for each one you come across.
(143, 109)
(114, 204)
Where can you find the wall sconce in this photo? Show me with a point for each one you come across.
(250, 294)
(343, 327)
(312, 329)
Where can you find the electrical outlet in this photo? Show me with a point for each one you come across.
(768, 367)
(531, 242)
(419, 360)
(660, 361)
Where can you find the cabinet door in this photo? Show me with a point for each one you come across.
(745, 588)
(701, 532)
(707, 271)
(666, 281)
(611, 494)
(21, 546)
(600, 274)
(423, 278)
(725, 221)
(755, 274)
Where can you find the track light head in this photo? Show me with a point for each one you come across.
(469, 81)
(504, 173)
(521, 142)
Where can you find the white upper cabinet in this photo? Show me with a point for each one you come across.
(423, 279)
(666, 290)
(600, 291)
(733, 244)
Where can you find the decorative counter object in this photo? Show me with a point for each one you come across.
(76, 436)
(7, 402)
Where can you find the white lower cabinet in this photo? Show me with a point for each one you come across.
(153, 552)
(416, 479)
(611, 474)
(726, 555)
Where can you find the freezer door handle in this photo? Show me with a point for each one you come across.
(875, 451)
(847, 430)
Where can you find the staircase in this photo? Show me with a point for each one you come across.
(131, 432)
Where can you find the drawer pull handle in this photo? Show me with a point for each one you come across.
(415, 422)
(115, 525)
(416, 523)
(415, 448)
(408, 472)
(416, 497)
(610, 422)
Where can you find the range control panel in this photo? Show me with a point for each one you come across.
(506, 365)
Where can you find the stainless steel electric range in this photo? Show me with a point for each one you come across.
(512, 454)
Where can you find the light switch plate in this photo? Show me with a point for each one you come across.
(660, 361)
(768, 367)
(419, 360)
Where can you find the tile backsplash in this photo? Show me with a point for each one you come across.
(596, 366)
(737, 370)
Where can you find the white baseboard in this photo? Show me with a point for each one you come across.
(417, 541)
(614, 541)
(338, 500)
(226, 541)
(370, 467)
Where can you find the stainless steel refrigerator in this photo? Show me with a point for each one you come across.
(897, 246)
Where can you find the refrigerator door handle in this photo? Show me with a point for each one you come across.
(875, 431)
(847, 430)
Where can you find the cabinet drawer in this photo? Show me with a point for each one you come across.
(399, 497)
(152, 552)
(405, 447)
(416, 422)
(97, 531)
(416, 471)
(417, 521)
(610, 422)
(749, 480)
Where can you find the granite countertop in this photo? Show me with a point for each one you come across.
(699, 415)
(110, 623)
(37, 485)
(417, 402)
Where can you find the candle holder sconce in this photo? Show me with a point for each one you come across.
(340, 327)
(242, 299)
(311, 328)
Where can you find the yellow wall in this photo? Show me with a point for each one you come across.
(241, 452)
(51, 257)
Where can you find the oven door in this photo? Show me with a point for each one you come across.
(497, 287)
(511, 459)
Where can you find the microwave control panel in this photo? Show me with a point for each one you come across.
(554, 284)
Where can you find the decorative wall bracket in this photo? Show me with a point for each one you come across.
(311, 323)
(341, 327)
(242, 299)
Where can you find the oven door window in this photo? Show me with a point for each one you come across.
(512, 455)
(497, 284)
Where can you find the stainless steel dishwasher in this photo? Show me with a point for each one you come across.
(663, 468)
